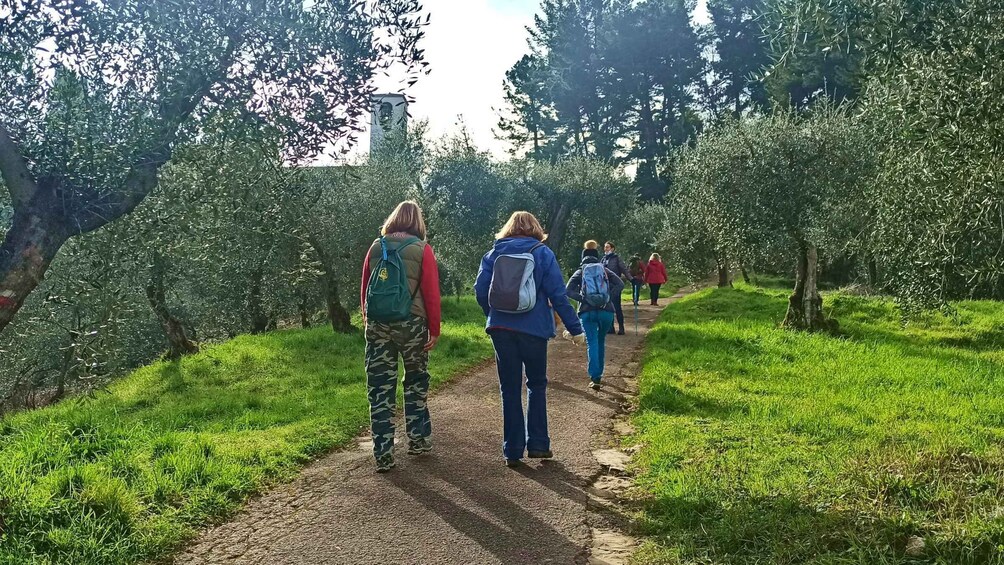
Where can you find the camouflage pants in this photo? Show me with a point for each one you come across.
(384, 343)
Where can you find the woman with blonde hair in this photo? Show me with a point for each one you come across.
(655, 276)
(401, 311)
(518, 287)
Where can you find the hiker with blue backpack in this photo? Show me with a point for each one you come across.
(594, 287)
(401, 311)
(519, 287)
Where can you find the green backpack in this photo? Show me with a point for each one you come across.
(388, 298)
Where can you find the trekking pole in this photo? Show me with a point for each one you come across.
(636, 318)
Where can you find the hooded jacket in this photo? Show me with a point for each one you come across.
(655, 273)
(574, 288)
(550, 292)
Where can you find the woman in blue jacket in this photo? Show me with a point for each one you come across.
(520, 339)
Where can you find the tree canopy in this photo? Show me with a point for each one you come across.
(100, 94)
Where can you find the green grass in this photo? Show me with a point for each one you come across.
(132, 473)
(767, 446)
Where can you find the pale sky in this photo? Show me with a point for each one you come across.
(470, 44)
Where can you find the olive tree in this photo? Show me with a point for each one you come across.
(578, 198)
(99, 94)
(933, 96)
(342, 212)
(779, 186)
(467, 195)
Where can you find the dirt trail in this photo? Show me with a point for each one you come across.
(457, 505)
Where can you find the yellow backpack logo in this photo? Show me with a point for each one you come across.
(384, 275)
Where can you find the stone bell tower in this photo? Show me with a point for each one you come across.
(389, 114)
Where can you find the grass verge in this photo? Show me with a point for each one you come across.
(128, 475)
(767, 446)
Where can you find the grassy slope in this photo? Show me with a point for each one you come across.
(766, 446)
(130, 474)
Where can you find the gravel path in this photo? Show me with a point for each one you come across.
(456, 505)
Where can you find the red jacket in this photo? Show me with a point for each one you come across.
(429, 287)
(655, 273)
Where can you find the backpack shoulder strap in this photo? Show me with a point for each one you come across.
(383, 247)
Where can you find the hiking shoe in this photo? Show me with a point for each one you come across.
(621, 332)
(419, 447)
(513, 463)
(595, 385)
(385, 463)
(539, 454)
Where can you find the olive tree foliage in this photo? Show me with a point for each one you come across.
(580, 199)
(100, 94)
(939, 219)
(645, 230)
(177, 270)
(931, 73)
(340, 215)
(231, 241)
(216, 237)
(777, 188)
(467, 196)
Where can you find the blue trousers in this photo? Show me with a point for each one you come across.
(596, 323)
(515, 352)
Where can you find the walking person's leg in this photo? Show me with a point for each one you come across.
(636, 291)
(510, 369)
(381, 387)
(655, 292)
(533, 350)
(593, 335)
(619, 309)
(619, 313)
(605, 320)
(416, 386)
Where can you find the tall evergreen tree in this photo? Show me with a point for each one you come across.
(742, 54)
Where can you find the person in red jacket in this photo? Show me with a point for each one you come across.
(655, 277)
(411, 339)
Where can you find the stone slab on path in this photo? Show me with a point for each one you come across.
(456, 505)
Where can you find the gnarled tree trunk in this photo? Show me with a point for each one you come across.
(179, 344)
(25, 255)
(304, 312)
(341, 322)
(805, 305)
(724, 279)
(557, 226)
(745, 273)
(256, 307)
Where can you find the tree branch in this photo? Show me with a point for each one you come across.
(14, 170)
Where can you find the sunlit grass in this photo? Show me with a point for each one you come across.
(767, 446)
(128, 475)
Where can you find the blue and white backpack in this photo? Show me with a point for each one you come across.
(595, 285)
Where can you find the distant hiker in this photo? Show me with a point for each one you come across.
(637, 277)
(401, 310)
(655, 276)
(594, 287)
(518, 285)
(616, 265)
